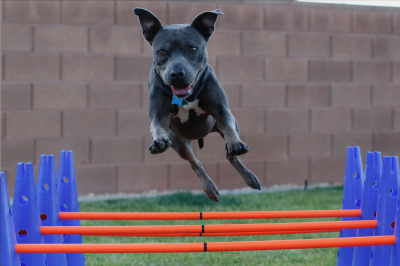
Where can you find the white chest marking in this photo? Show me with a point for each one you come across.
(183, 112)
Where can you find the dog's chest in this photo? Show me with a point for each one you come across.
(183, 112)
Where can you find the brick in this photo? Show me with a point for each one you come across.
(241, 17)
(80, 146)
(133, 122)
(168, 156)
(342, 141)
(308, 96)
(32, 11)
(61, 38)
(287, 121)
(351, 96)
(224, 43)
(212, 62)
(88, 123)
(397, 119)
(15, 151)
(117, 96)
(30, 124)
(146, 177)
(147, 49)
(232, 91)
(387, 48)
(240, 68)
(96, 179)
(184, 13)
(88, 12)
(267, 95)
(386, 95)
(32, 67)
(115, 40)
(396, 23)
(371, 71)
(372, 119)
(287, 172)
(351, 46)
(330, 170)
(261, 43)
(330, 71)
(291, 69)
(182, 176)
(16, 38)
(396, 72)
(250, 121)
(213, 150)
(133, 68)
(301, 145)
(229, 178)
(293, 19)
(59, 96)
(330, 120)
(330, 20)
(387, 143)
(309, 45)
(15, 96)
(87, 67)
(121, 150)
(372, 22)
(266, 146)
(125, 16)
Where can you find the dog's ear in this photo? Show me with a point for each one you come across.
(205, 22)
(149, 22)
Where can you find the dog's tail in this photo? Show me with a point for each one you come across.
(201, 143)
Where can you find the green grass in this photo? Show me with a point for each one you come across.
(315, 199)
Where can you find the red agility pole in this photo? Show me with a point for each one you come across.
(220, 234)
(207, 215)
(217, 228)
(203, 247)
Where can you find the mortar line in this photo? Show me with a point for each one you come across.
(33, 39)
(31, 94)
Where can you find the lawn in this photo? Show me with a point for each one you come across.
(320, 198)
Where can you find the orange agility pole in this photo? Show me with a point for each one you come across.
(212, 228)
(203, 247)
(220, 234)
(207, 215)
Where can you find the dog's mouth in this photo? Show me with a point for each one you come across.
(181, 91)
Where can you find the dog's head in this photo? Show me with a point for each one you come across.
(179, 51)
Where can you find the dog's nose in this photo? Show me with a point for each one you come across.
(177, 73)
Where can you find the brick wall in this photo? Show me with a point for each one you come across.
(304, 81)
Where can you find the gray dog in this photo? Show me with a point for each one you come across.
(186, 101)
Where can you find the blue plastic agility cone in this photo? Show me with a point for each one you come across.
(49, 206)
(386, 210)
(353, 179)
(8, 254)
(395, 260)
(26, 214)
(68, 196)
(369, 201)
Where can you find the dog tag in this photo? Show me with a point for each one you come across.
(179, 102)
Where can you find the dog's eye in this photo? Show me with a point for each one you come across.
(161, 52)
(192, 49)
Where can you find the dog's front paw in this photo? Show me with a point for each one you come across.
(160, 145)
(236, 148)
(211, 191)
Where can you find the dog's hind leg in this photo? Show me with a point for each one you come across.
(249, 177)
(184, 148)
